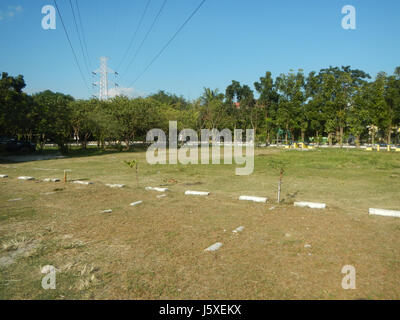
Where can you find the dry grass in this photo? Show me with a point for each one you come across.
(156, 250)
(15, 244)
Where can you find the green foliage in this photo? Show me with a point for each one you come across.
(131, 164)
(330, 104)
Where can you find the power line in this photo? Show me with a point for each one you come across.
(83, 33)
(79, 37)
(146, 36)
(70, 44)
(168, 42)
(134, 35)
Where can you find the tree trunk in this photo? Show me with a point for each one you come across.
(84, 142)
(302, 135)
(358, 140)
(330, 138)
(341, 136)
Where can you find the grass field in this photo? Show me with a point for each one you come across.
(156, 250)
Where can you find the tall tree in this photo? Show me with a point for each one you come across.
(268, 100)
(291, 99)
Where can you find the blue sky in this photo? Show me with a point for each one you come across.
(226, 40)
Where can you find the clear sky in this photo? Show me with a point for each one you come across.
(226, 40)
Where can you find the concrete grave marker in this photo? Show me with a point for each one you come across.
(115, 185)
(214, 247)
(51, 180)
(26, 178)
(251, 198)
(82, 182)
(156, 189)
(196, 193)
(383, 212)
(312, 205)
(239, 229)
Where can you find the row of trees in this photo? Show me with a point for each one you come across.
(333, 104)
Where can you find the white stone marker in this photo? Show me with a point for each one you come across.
(82, 182)
(3, 176)
(136, 203)
(115, 185)
(214, 247)
(196, 193)
(239, 229)
(161, 196)
(312, 205)
(107, 211)
(12, 200)
(255, 199)
(156, 189)
(25, 178)
(382, 212)
(51, 180)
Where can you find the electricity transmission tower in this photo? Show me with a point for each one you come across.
(103, 71)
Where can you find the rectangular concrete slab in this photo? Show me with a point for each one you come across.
(115, 185)
(51, 180)
(239, 229)
(156, 189)
(312, 205)
(383, 212)
(3, 176)
(196, 193)
(26, 178)
(254, 199)
(135, 203)
(82, 182)
(214, 247)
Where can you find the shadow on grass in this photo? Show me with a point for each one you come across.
(73, 152)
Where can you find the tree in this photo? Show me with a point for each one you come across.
(392, 98)
(241, 106)
(55, 121)
(291, 99)
(212, 109)
(16, 117)
(82, 120)
(268, 100)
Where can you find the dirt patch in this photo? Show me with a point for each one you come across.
(17, 252)
(31, 157)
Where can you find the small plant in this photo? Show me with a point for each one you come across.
(279, 165)
(134, 164)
